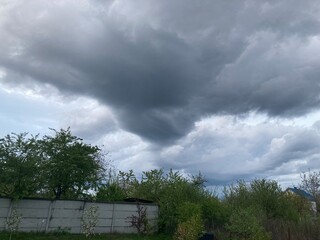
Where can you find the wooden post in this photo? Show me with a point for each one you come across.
(289, 234)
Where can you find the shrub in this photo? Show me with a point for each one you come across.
(214, 213)
(244, 224)
(13, 222)
(191, 229)
(140, 221)
(187, 210)
(89, 221)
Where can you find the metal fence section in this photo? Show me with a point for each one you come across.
(65, 215)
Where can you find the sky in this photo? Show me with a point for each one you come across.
(227, 88)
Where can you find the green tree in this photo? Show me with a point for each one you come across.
(151, 185)
(244, 224)
(111, 192)
(268, 195)
(20, 165)
(71, 167)
(310, 182)
(169, 190)
(215, 213)
(264, 195)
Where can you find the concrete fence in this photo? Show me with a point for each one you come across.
(56, 215)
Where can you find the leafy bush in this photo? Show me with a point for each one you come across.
(187, 210)
(190, 229)
(13, 222)
(264, 195)
(214, 213)
(244, 224)
(89, 221)
(110, 192)
(190, 225)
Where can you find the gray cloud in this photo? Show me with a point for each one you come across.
(161, 66)
(225, 149)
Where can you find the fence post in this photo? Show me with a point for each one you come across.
(8, 214)
(112, 218)
(49, 214)
(83, 211)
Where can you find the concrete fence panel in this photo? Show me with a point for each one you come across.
(65, 215)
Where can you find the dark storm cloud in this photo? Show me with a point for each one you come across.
(162, 65)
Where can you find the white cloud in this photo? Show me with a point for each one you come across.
(226, 148)
(128, 151)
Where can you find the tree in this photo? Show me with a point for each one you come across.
(310, 182)
(111, 192)
(20, 165)
(71, 167)
(244, 224)
(265, 196)
(169, 190)
(190, 223)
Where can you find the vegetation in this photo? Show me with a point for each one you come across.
(62, 166)
(245, 224)
(310, 181)
(270, 213)
(169, 190)
(12, 223)
(70, 166)
(89, 221)
(59, 166)
(54, 236)
(190, 224)
(140, 221)
(19, 165)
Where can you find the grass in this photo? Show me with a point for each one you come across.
(53, 236)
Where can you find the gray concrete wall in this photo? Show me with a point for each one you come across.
(47, 215)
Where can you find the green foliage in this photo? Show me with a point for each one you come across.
(214, 213)
(190, 223)
(127, 181)
(176, 190)
(187, 210)
(118, 187)
(59, 166)
(264, 195)
(19, 165)
(69, 236)
(169, 190)
(89, 221)
(191, 229)
(111, 192)
(61, 231)
(310, 182)
(151, 185)
(13, 222)
(71, 167)
(244, 224)
(238, 195)
(302, 207)
(263, 203)
(268, 196)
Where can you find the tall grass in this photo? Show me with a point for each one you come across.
(43, 236)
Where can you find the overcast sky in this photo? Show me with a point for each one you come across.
(228, 88)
